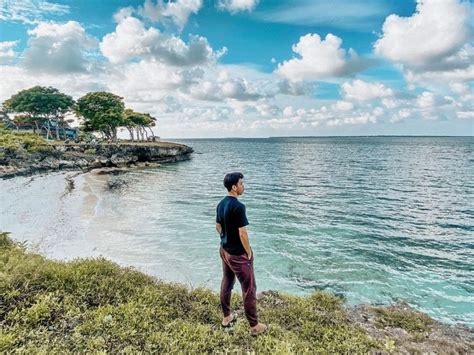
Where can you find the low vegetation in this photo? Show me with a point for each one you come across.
(408, 320)
(22, 141)
(96, 306)
(93, 305)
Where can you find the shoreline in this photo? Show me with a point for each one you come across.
(329, 324)
(87, 157)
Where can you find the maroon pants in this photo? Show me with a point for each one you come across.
(242, 267)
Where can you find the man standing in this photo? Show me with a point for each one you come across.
(236, 254)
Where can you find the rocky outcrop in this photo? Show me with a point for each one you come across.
(86, 157)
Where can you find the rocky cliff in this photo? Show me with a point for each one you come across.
(87, 157)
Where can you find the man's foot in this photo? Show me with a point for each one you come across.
(229, 320)
(260, 328)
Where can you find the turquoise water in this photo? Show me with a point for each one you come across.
(373, 219)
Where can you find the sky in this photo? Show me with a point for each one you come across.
(254, 68)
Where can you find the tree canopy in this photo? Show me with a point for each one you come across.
(39, 104)
(101, 111)
(138, 122)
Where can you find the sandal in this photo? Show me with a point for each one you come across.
(231, 323)
(255, 333)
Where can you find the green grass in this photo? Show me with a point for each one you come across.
(23, 141)
(409, 320)
(94, 305)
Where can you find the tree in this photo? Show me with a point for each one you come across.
(138, 122)
(101, 111)
(41, 105)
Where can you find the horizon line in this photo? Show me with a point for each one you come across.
(339, 136)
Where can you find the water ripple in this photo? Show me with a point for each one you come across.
(371, 219)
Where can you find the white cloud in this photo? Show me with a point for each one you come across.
(177, 11)
(457, 68)
(362, 118)
(432, 47)
(30, 11)
(6, 50)
(400, 115)
(343, 105)
(234, 6)
(320, 59)
(151, 81)
(15, 78)
(58, 48)
(131, 40)
(239, 89)
(287, 87)
(437, 30)
(465, 115)
(459, 88)
(390, 103)
(346, 14)
(428, 100)
(362, 90)
(236, 89)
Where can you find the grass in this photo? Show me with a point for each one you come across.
(409, 320)
(94, 305)
(12, 140)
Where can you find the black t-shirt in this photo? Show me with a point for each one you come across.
(230, 214)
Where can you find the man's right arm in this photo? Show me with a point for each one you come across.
(244, 238)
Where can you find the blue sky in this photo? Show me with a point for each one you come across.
(221, 68)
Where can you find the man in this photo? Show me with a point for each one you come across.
(236, 254)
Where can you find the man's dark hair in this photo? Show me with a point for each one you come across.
(232, 179)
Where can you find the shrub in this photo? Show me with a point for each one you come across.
(406, 319)
(16, 140)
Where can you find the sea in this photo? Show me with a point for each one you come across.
(371, 219)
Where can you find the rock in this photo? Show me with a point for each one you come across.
(120, 161)
(95, 164)
(82, 163)
(78, 156)
(7, 169)
(64, 164)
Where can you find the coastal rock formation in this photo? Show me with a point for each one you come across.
(87, 157)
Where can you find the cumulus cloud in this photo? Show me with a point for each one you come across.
(428, 100)
(177, 11)
(234, 6)
(320, 59)
(400, 115)
(151, 81)
(437, 30)
(341, 105)
(293, 88)
(30, 11)
(458, 68)
(131, 40)
(6, 50)
(362, 118)
(362, 90)
(58, 48)
(16, 78)
(239, 89)
(235, 89)
(433, 45)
